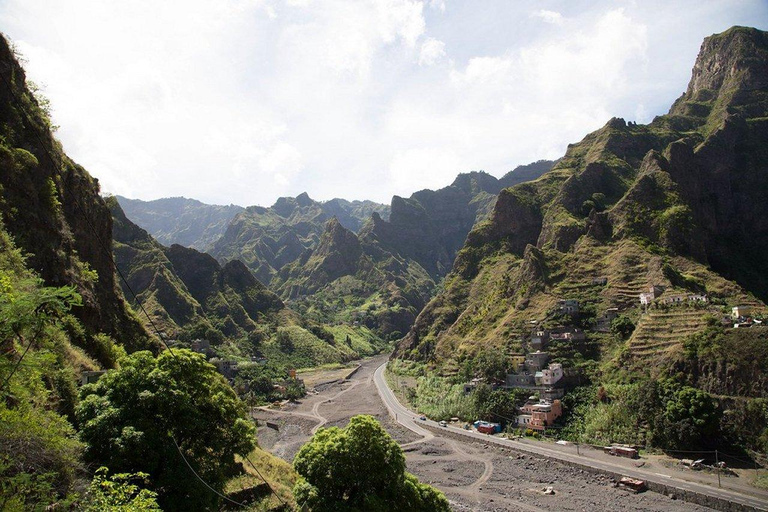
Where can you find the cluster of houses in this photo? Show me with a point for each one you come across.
(534, 372)
(654, 295)
(539, 414)
(741, 316)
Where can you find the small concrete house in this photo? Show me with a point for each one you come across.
(569, 306)
(654, 291)
(535, 361)
(538, 416)
(91, 377)
(539, 340)
(549, 376)
(568, 334)
(741, 312)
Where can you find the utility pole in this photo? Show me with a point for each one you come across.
(577, 449)
(717, 465)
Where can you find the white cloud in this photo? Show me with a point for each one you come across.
(438, 5)
(432, 50)
(548, 16)
(246, 100)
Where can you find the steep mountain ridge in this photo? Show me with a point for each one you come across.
(352, 279)
(190, 295)
(52, 208)
(178, 220)
(431, 226)
(267, 239)
(678, 202)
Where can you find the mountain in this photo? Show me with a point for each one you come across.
(679, 203)
(353, 280)
(52, 209)
(267, 239)
(178, 220)
(431, 226)
(380, 277)
(189, 295)
(182, 288)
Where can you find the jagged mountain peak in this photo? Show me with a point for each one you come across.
(338, 239)
(736, 55)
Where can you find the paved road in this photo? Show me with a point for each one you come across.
(409, 419)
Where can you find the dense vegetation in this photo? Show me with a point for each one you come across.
(359, 468)
(141, 416)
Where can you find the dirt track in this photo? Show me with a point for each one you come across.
(473, 476)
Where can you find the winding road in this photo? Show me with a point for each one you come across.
(409, 419)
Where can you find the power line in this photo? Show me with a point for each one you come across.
(199, 478)
(108, 252)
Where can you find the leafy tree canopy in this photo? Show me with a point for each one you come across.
(132, 416)
(359, 467)
(119, 493)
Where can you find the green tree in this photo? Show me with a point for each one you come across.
(491, 364)
(690, 420)
(118, 494)
(490, 405)
(359, 467)
(133, 417)
(622, 326)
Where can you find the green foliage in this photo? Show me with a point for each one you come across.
(490, 364)
(498, 406)
(690, 419)
(132, 417)
(117, 493)
(622, 326)
(437, 397)
(39, 457)
(39, 454)
(675, 417)
(359, 467)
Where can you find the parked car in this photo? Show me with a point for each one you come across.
(423, 418)
(443, 423)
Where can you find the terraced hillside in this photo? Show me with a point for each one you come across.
(662, 331)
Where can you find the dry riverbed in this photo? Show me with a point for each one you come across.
(473, 476)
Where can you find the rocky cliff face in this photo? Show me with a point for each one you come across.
(686, 192)
(178, 220)
(431, 226)
(186, 290)
(267, 239)
(52, 208)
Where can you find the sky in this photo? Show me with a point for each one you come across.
(244, 101)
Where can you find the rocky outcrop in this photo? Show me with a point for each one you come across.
(430, 227)
(268, 239)
(186, 290)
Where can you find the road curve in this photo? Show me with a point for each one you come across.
(408, 419)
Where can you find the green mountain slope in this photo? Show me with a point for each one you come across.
(355, 281)
(190, 295)
(267, 239)
(52, 209)
(678, 203)
(178, 220)
(431, 226)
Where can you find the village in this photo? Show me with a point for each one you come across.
(548, 382)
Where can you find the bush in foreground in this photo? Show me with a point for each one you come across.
(359, 467)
